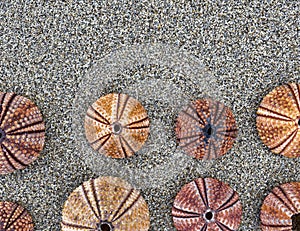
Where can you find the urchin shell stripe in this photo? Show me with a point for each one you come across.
(297, 99)
(122, 204)
(98, 114)
(276, 226)
(189, 213)
(127, 144)
(124, 106)
(127, 209)
(7, 106)
(14, 220)
(88, 200)
(227, 203)
(273, 112)
(136, 122)
(8, 152)
(10, 216)
(202, 197)
(27, 132)
(96, 119)
(199, 119)
(223, 227)
(293, 209)
(101, 138)
(123, 148)
(93, 188)
(286, 142)
(204, 228)
(76, 226)
(2, 101)
(8, 132)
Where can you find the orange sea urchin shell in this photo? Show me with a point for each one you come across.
(13, 217)
(278, 120)
(22, 132)
(206, 204)
(116, 125)
(105, 204)
(281, 208)
(206, 129)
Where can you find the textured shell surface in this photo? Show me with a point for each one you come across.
(22, 132)
(207, 204)
(278, 120)
(281, 208)
(206, 129)
(116, 125)
(14, 217)
(105, 204)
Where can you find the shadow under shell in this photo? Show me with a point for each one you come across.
(281, 208)
(116, 125)
(206, 129)
(105, 204)
(278, 120)
(14, 217)
(207, 204)
(22, 132)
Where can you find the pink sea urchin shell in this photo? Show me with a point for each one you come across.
(116, 125)
(281, 208)
(22, 132)
(207, 204)
(278, 120)
(206, 129)
(105, 204)
(14, 217)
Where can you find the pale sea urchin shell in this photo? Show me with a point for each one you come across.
(22, 132)
(281, 208)
(105, 204)
(207, 204)
(206, 129)
(278, 120)
(116, 125)
(14, 217)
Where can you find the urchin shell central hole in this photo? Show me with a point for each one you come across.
(105, 226)
(208, 216)
(2, 135)
(296, 222)
(299, 122)
(210, 131)
(116, 128)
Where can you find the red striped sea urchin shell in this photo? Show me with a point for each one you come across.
(14, 217)
(206, 129)
(207, 204)
(281, 208)
(278, 120)
(22, 132)
(116, 125)
(105, 204)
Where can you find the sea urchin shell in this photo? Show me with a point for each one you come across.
(281, 208)
(116, 125)
(105, 204)
(206, 204)
(206, 129)
(22, 132)
(278, 120)
(13, 217)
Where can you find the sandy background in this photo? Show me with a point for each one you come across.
(65, 55)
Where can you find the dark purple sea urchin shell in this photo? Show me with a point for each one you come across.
(206, 129)
(206, 204)
(14, 217)
(22, 132)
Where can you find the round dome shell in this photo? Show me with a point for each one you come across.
(278, 120)
(22, 132)
(105, 204)
(206, 129)
(207, 204)
(281, 208)
(14, 217)
(116, 125)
